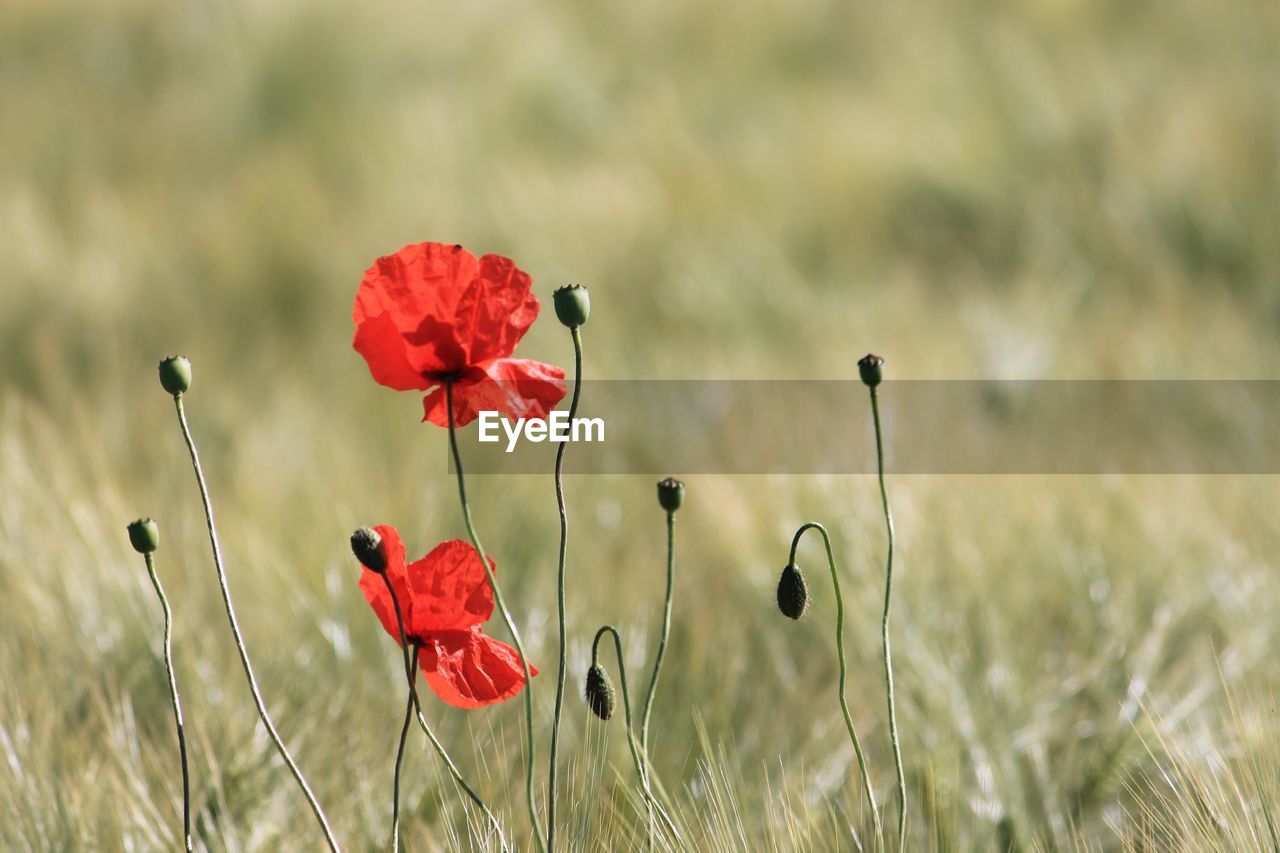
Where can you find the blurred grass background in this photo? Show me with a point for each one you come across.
(763, 190)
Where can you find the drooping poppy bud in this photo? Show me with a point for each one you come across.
(144, 535)
(793, 592)
(366, 544)
(670, 494)
(871, 369)
(599, 692)
(175, 374)
(573, 305)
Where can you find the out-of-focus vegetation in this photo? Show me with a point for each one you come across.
(768, 189)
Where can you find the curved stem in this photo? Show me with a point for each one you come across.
(395, 788)
(235, 632)
(645, 790)
(884, 631)
(666, 632)
(411, 675)
(173, 696)
(506, 616)
(564, 550)
(844, 703)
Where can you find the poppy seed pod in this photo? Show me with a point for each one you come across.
(144, 535)
(793, 592)
(366, 544)
(573, 305)
(175, 374)
(670, 494)
(599, 692)
(871, 369)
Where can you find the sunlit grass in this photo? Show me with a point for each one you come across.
(1058, 190)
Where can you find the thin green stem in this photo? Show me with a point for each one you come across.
(666, 633)
(506, 616)
(564, 551)
(173, 696)
(395, 788)
(645, 790)
(884, 630)
(239, 640)
(411, 676)
(844, 703)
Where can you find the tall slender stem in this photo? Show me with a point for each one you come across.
(411, 675)
(173, 696)
(395, 787)
(626, 712)
(560, 607)
(666, 632)
(844, 703)
(235, 631)
(884, 631)
(506, 616)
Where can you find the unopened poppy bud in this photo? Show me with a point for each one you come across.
(144, 535)
(670, 494)
(871, 369)
(793, 592)
(599, 692)
(366, 544)
(573, 305)
(175, 374)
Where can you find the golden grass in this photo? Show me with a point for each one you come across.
(768, 190)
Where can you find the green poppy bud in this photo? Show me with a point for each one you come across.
(144, 535)
(599, 692)
(573, 305)
(871, 369)
(670, 494)
(175, 374)
(793, 592)
(1007, 836)
(366, 544)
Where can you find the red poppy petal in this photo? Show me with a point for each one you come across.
(518, 387)
(387, 353)
(375, 589)
(497, 310)
(432, 309)
(468, 669)
(450, 589)
(420, 280)
(409, 301)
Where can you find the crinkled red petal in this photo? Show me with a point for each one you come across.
(517, 387)
(432, 309)
(450, 589)
(468, 669)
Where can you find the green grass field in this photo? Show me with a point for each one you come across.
(765, 189)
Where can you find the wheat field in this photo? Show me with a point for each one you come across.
(763, 190)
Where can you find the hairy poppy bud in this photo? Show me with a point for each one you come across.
(573, 305)
(670, 494)
(144, 535)
(871, 369)
(599, 692)
(366, 544)
(793, 592)
(175, 374)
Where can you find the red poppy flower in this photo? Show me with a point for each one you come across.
(444, 598)
(431, 314)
